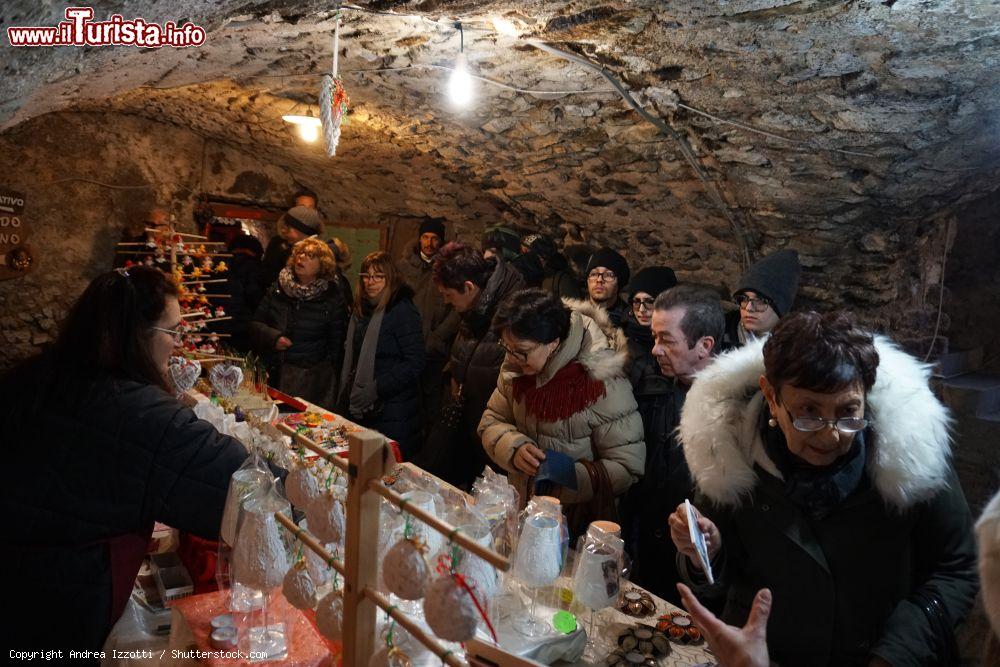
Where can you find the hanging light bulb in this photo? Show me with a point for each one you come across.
(308, 125)
(505, 27)
(460, 82)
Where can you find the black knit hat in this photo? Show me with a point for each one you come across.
(432, 226)
(610, 259)
(776, 277)
(652, 280)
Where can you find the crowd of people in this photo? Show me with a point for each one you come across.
(815, 455)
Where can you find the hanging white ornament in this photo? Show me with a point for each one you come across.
(298, 587)
(333, 100)
(259, 559)
(301, 485)
(319, 571)
(326, 518)
(330, 616)
(405, 570)
(450, 610)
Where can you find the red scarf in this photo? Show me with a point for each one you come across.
(571, 390)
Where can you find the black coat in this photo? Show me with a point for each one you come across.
(399, 360)
(91, 471)
(317, 328)
(474, 363)
(245, 288)
(275, 258)
(666, 481)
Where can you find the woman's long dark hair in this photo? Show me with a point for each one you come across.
(106, 333)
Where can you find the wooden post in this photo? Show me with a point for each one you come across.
(366, 460)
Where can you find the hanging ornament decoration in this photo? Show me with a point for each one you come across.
(679, 627)
(298, 587)
(226, 378)
(259, 561)
(330, 616)
(450, 610)
(301, 485)
(326, 518)
(184, 373)
(333, 99)
(405, 570)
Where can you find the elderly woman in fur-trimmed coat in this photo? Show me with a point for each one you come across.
(822, 463)
(563, 388)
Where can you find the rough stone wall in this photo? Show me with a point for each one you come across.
(75, 223)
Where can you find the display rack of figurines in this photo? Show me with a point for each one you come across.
(197, 266)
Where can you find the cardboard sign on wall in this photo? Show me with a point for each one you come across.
(16, 258)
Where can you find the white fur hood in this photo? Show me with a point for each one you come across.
(718, 429)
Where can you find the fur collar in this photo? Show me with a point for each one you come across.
(911, 444)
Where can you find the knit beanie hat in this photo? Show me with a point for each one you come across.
(432, 226)
(304, 219)
(610, 259)
(504, 240)
(652, 280)
(776, 277)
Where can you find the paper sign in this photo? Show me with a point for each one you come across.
(699, 541)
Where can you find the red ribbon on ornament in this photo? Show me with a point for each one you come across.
(443, 567)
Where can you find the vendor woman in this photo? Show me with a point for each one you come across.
(96, 450)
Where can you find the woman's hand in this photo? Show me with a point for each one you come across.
(681, 536)
(282, 344)
(527, 458)
(734, 647)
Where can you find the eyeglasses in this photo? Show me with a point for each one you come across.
(372, 277)
(173, 332)
(602, 276)
(643, 304)
(308, 254)
(517, 354)
(757, 304)
(846, 425)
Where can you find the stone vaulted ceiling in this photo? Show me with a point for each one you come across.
(844, 126)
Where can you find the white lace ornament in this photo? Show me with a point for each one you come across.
(326, 518)
(302, 487)
(298, 587)
(405, 571)
(259, 559)
(330, 616)
(450, 610)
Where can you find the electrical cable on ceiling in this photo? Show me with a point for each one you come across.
(940, 307)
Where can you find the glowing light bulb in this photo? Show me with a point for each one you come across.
(505, 27)
(460, 83)
(309, 132)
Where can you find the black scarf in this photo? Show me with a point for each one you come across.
(816, 490)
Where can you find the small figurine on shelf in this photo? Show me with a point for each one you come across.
(221, 267)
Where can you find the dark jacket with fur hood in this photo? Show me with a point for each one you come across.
(847, 586)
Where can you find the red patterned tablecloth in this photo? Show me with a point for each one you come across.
(191, 628)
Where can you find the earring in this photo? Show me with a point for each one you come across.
(772, 422)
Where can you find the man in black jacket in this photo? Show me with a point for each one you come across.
(475, 287)
(687, 325)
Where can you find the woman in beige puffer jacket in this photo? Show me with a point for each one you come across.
(562, 388)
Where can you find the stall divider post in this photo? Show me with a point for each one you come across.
(366, 462)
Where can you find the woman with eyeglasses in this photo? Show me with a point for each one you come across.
(384, 355)
(300, 325)
(97, 449)
(563, 389)
(821, 459)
